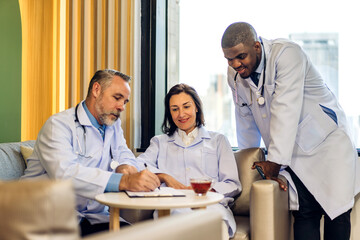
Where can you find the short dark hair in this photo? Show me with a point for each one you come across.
(104, 78)
(168, 126)
(238, 32)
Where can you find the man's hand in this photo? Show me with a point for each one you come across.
(144, 181)
(271, 171)
(171, 182)
(126, 169)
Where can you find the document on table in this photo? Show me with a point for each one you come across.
(162, 192)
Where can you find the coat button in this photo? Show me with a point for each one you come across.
(264, 115)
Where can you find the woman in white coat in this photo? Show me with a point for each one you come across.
(188, 150)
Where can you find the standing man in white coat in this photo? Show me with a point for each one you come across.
(280, 97)
(86, 144)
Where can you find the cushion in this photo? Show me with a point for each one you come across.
(245, 159)
(38, 209)
(26, 152)
(12, 164)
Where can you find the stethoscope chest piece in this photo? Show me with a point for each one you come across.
(114, 164)
(261, 100)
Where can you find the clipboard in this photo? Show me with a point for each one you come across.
(163, 192)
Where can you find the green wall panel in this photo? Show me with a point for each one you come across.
(10, 71)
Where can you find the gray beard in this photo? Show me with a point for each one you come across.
(103, 116)
(105, 119)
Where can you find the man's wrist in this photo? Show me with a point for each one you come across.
(123, 185)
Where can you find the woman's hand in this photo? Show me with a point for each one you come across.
(171, 182)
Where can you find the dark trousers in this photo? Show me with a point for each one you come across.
(307, 219)
(87, 228)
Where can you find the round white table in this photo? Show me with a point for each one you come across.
(120, 200)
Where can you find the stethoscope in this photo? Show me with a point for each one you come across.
(260, 100)
(82, 153)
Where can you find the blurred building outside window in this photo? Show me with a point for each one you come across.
(328, 36)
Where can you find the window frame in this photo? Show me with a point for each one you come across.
(153, 68)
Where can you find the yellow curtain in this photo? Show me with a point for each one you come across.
(63, 43)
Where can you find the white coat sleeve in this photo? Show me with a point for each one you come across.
(56, 153)
(286, 104)
(229, 183)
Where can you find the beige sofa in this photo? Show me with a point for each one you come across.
(261, 211)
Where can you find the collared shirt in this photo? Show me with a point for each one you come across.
(261, 64)
(115, 178)
(259, 69)
(94, 122)
(188, 138)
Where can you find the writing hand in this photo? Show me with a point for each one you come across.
(126, 169)
(141, 181)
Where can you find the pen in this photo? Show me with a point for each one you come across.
(260, 172)
(147, 168)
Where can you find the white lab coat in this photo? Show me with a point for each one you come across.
(61, 152)
(295, 129)
(210, 154)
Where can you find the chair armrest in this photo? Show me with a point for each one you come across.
(269, 213)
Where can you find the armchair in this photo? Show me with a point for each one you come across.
(261, 210)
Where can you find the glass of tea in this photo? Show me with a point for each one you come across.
(201, 185)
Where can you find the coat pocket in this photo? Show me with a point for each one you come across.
(311, 133)
(244, 110)
(210, 162)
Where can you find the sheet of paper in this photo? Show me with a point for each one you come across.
(163, 192)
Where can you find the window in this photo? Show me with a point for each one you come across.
(191, 43)
(324, 29)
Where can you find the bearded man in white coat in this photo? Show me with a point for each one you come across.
(280, 97)
(86, 144)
